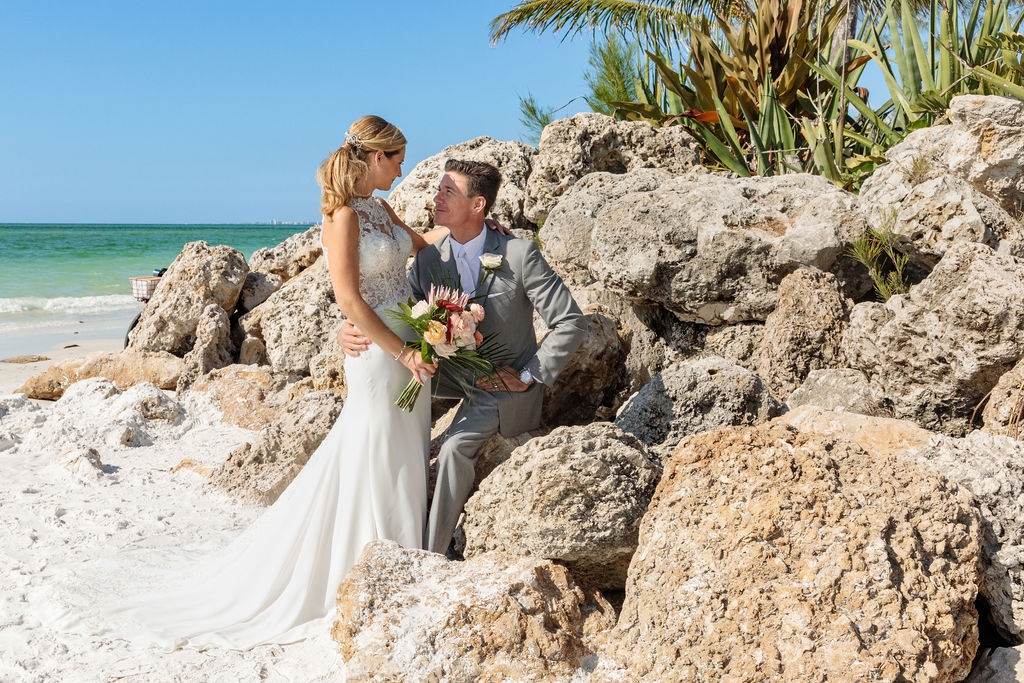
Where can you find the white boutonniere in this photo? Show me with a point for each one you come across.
(489, 265)
(490, 262)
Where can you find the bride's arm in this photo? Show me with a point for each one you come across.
(427, 238)
(418, 240)
(340, 235)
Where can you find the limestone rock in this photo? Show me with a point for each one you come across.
(992, 468)
(257, 288)
(804, 332)
(575, 496)
(884, 436)
(566, 231)
(1004, 409)
(213, 348)
(412, 615)
(289, 258)
(327, 369)
(413, 198)
(771, 555)
(125, 368)
(983, 144)
(929, 209)
(199, 276)
(935, 352)
(588, 143)
(262, 469)
(714, 250)
(248, 396)
(297, 322)
(693, 397)
(590, 379)
(999, 665)
(841, 389)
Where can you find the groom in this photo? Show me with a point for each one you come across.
(510, 278)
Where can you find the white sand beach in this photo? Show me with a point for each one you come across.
(55, 518)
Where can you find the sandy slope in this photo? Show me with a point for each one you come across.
(53, 520)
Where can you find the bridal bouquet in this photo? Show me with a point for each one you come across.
(445, 327)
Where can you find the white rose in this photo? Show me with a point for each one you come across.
(490, 261)
(420, 308)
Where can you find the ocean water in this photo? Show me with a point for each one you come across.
(60, 283)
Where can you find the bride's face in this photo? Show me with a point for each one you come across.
(385, 168)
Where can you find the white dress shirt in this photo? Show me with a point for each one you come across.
(467, 259)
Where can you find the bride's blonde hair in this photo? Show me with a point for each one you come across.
(346, 167)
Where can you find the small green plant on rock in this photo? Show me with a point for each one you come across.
(876, 251)
(920, 167)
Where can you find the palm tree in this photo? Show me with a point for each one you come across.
(658, 25)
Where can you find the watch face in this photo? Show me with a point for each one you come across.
(525, 377)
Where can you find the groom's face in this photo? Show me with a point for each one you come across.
(453, 207)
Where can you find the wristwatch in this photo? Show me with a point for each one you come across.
(526, 377)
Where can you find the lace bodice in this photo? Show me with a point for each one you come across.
(383, 253)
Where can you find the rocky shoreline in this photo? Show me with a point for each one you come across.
(751, 469)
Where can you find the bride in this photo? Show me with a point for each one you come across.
(277, 582)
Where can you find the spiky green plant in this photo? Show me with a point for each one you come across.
(876, 250)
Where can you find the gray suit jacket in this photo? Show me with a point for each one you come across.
(509, 295)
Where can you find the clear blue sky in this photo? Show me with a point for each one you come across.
(219, 111)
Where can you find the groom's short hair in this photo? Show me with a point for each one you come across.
(483, 179)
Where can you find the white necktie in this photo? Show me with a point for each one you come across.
(466, 274)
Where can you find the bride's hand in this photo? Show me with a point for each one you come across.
(413, 360)
(496, 226)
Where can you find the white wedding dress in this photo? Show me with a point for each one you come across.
(277, 582)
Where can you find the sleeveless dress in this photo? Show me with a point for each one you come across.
(277, 582)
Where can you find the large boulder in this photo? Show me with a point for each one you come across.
(804, 332)
(879, 436)
(992, 468)
(262, 469)
(297, 322)
(592, 377)
(693, 397)
(125, 369)
(413, 198)
(983, 144)
(934, 353)
(929, 209)
(566, 232)
(769, 554)
(213, 347)
(840, 389)
(201, 275)
(587, 143)
(248, 396)
(575, 496)
(714, 250)
(413, 615)
(290, 257)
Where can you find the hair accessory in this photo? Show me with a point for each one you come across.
(352, 139)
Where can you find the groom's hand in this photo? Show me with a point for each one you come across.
(505, 379)
(351, 340)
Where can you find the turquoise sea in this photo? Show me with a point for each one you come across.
(59, 281)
